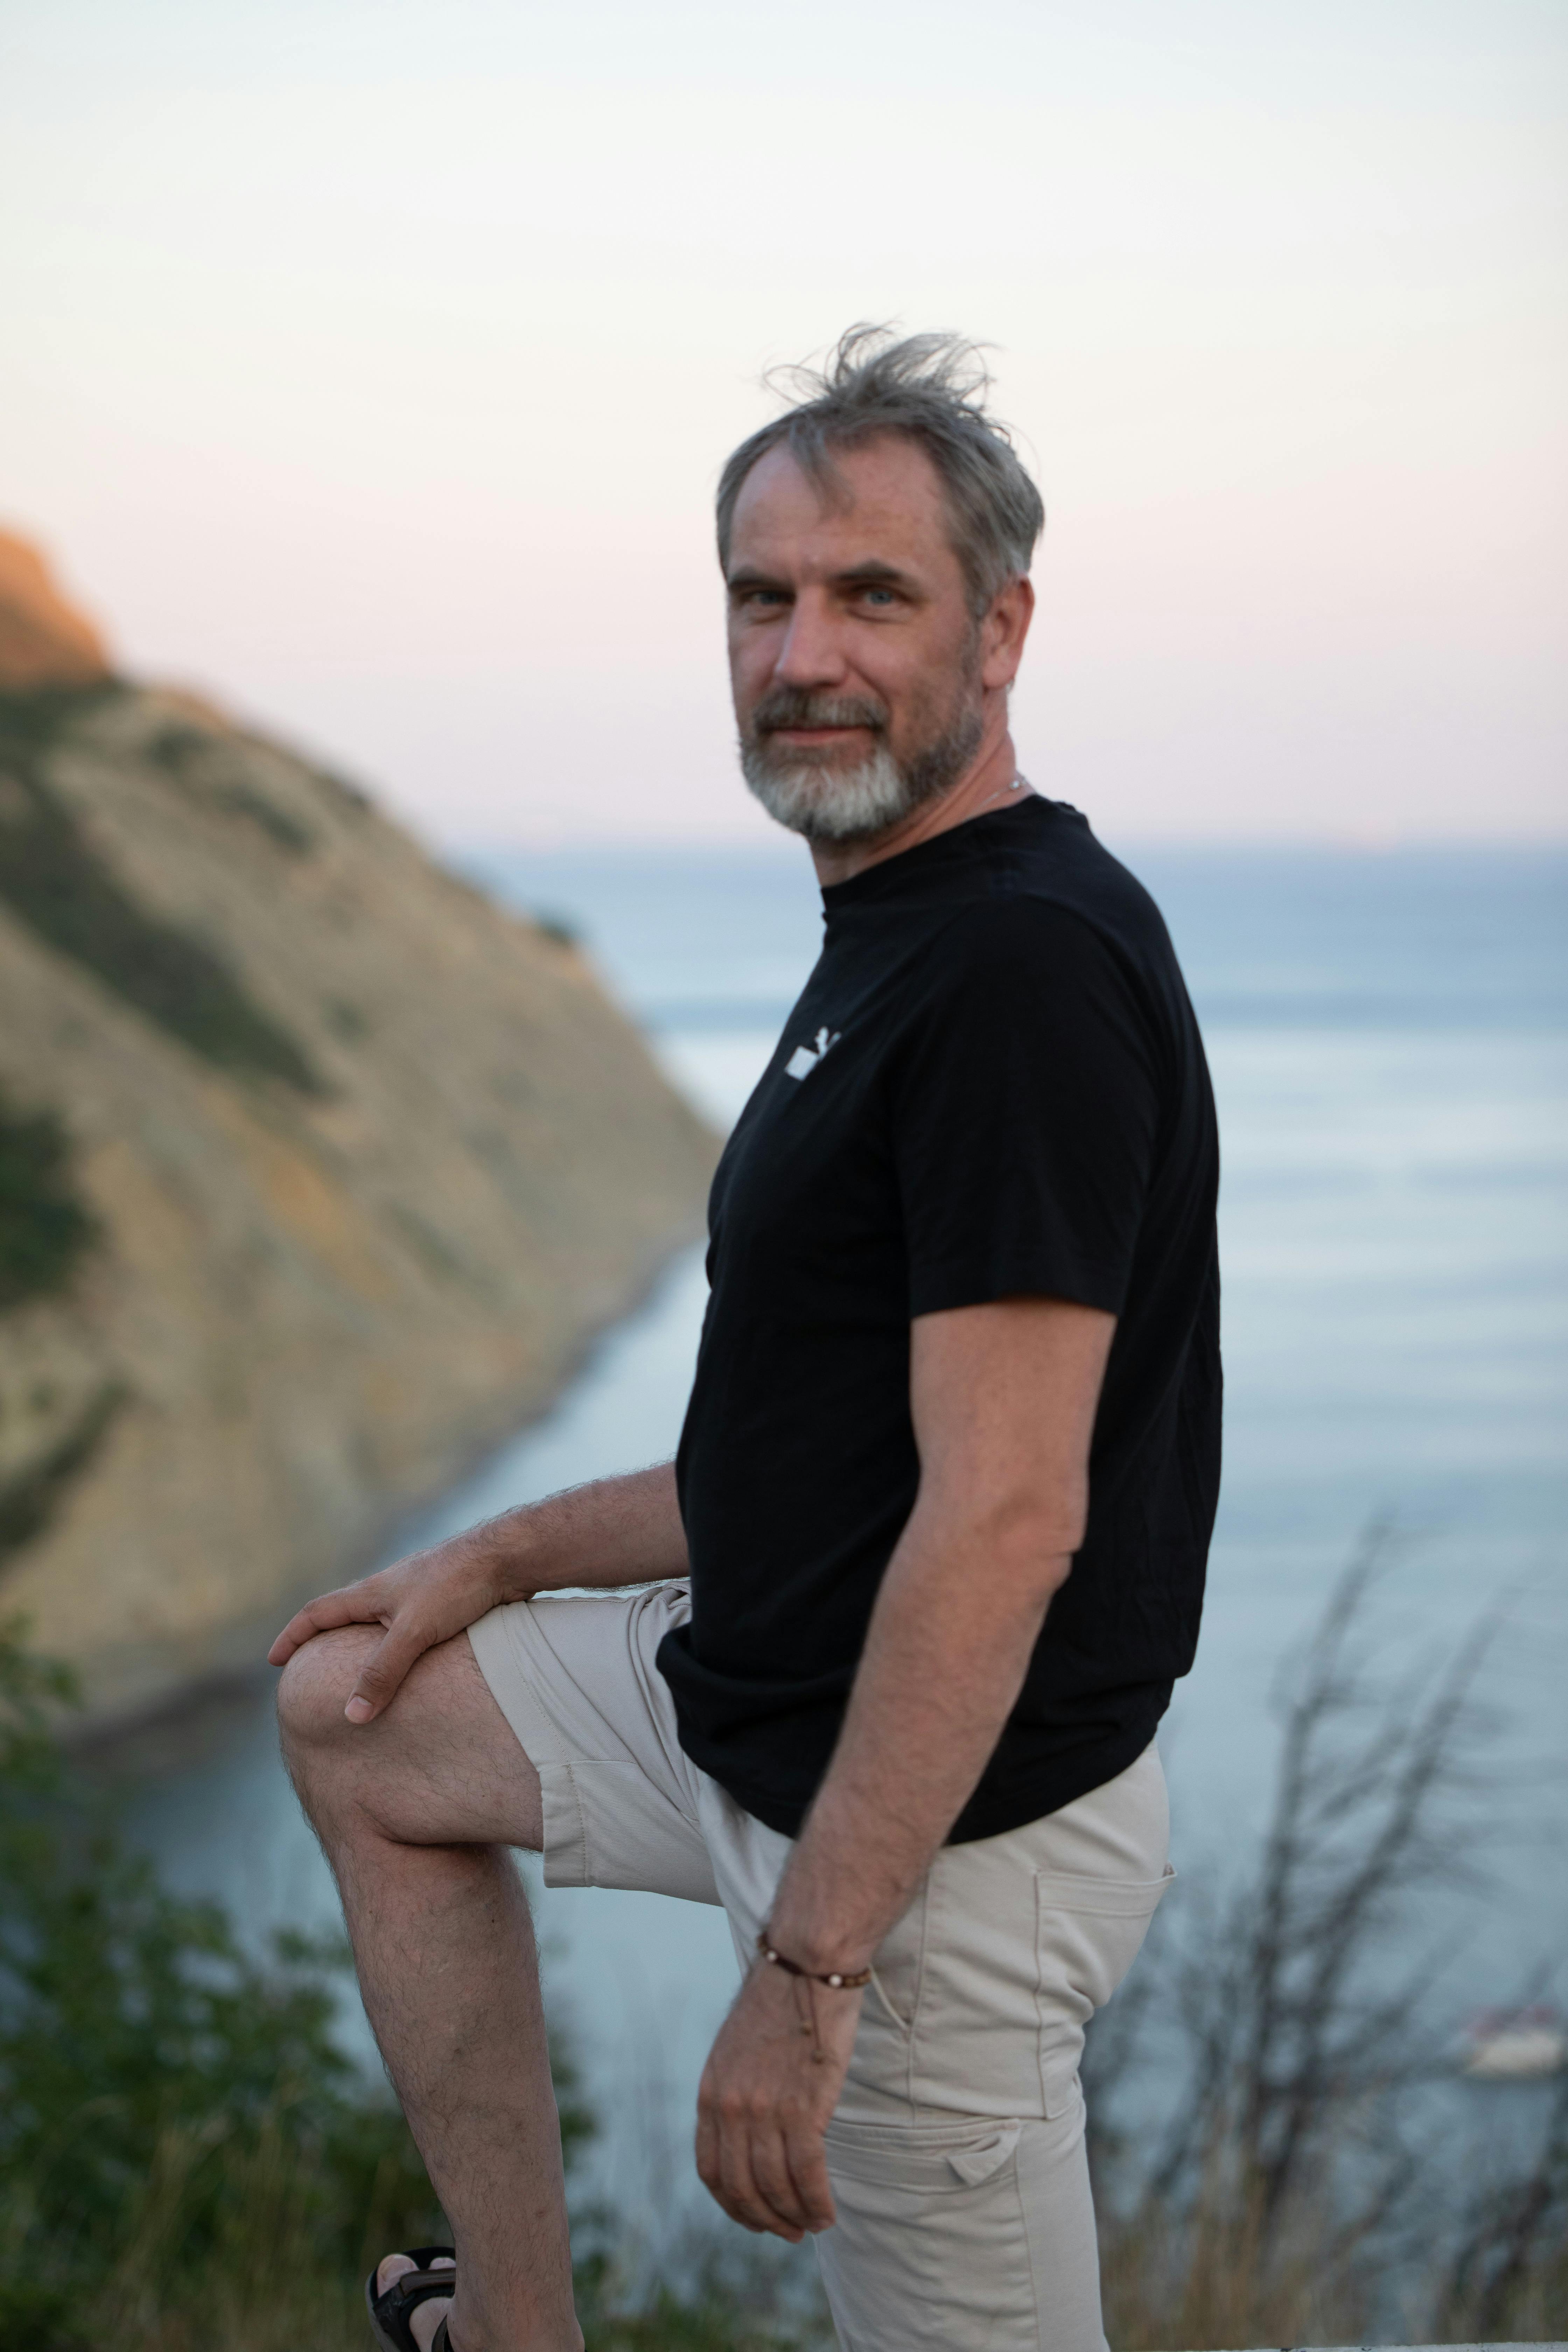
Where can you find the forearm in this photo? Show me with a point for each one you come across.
(614, 1531)
(949, 1645)
(617, 1531)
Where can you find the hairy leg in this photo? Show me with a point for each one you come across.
(415, 1811)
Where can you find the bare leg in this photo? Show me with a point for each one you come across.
(415, 1811)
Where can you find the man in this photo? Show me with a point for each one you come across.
(878, 1661)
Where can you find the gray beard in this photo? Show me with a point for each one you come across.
(847, 805)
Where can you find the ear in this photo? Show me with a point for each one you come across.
(1003, 632)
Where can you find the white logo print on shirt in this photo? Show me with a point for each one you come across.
(805, 1058)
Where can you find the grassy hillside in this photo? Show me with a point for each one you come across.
(317, 1172)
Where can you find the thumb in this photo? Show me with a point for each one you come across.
(383, 1672)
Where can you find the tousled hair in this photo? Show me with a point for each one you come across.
(932, 389)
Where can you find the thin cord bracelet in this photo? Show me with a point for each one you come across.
(836, 1980)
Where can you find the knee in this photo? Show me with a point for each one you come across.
(312, 1692)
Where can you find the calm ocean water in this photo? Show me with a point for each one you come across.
(1389, 1040)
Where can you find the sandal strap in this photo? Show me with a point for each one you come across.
(390, 2308)
(415, 2287)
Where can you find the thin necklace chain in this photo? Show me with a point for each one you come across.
(1019, 785)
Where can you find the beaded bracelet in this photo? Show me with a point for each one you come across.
(839, 1980)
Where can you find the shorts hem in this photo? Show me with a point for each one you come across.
(503, 1653)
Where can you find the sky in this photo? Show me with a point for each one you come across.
(369, 367)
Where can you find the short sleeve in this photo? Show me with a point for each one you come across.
(1026, 1113)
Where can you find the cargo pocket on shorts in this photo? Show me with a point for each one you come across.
(922, 2159)
(931, 2247)
(1088, 1933)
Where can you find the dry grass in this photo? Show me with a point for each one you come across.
(1294, 2188)
(266, 2275)
(1221, 2277)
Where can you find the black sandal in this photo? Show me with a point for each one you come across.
(389, 2310)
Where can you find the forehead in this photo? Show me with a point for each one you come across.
(886, 504)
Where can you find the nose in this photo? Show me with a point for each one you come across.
(811, 654)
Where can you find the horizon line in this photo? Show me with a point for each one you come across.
(1321, 843)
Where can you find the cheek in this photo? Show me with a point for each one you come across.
(934, 694)
(893, 668)
(922, 672)
(751, 666)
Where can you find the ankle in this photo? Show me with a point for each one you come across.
(472, 2333)
(459, 2340)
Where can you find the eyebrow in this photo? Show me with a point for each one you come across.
(872, 571)
(881, 574)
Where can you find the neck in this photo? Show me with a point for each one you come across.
(987, 782)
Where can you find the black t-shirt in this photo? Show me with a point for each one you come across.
(993, 1086)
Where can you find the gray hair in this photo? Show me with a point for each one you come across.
(931, 388)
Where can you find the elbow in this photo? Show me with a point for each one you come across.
(1048, 1564)
(1033, 1538)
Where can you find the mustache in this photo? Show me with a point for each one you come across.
(795, 706)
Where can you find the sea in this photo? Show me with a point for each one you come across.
(1388, 1035)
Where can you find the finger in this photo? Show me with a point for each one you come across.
(807, 2160)
(776, 2185)
(386, 1668)
(353, 1604)
(712, 2163)
(707, 2144)
(737, 2190)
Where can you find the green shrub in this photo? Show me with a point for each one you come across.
(207, 768)
(28, 1497)
(44, 1229)
(187, 2157)
(173, 2113)
(55, 882)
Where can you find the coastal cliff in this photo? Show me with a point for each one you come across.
(318, 1170)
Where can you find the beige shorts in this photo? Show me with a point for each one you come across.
(957, 2152)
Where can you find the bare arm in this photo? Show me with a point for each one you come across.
(1002, 1399)
(617, 1531)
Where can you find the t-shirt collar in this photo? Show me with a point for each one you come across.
(976, 839)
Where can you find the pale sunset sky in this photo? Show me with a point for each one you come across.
(369, 367)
